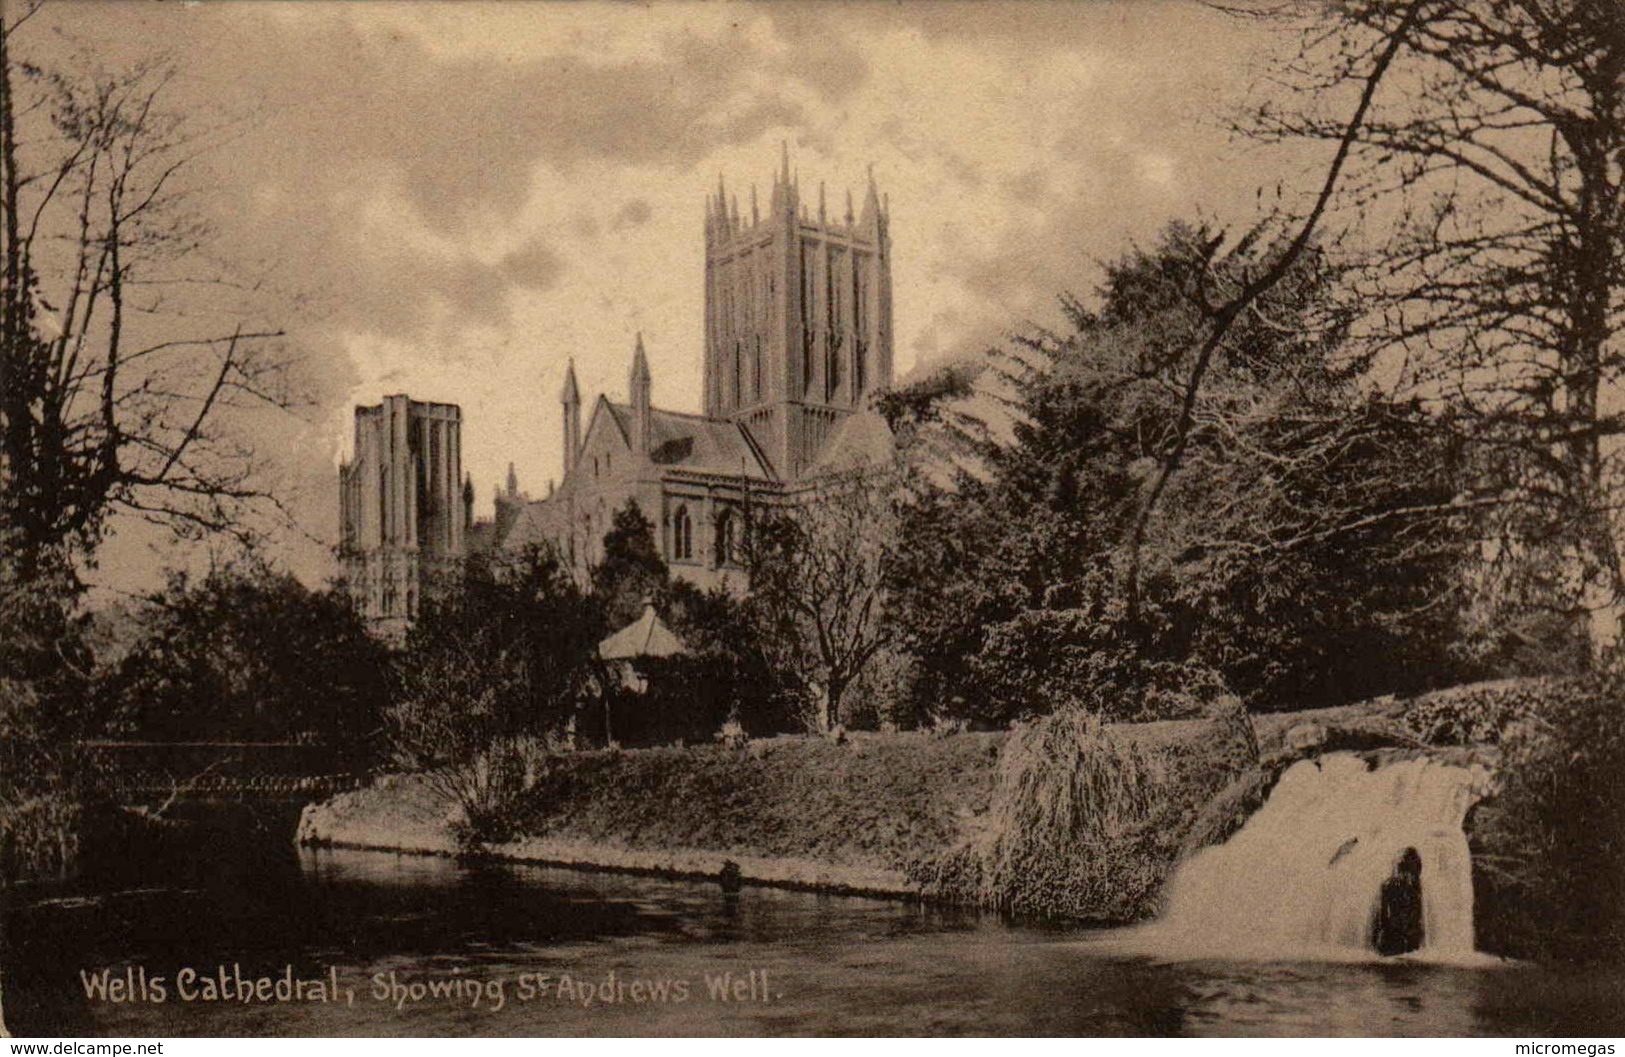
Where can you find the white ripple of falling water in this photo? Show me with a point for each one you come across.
(1303, 877)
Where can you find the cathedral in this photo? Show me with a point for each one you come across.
(798, 338)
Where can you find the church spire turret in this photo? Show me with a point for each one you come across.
(570, 397)
(639, 387)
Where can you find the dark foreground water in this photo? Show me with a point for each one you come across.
(526, 951)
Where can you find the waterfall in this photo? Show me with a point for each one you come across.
(1306, 876)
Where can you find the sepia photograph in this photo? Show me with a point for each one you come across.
(864, 518)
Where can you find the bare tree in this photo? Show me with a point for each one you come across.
(1489, 184)
(818, 587)
(123, 349)
(1221, 307)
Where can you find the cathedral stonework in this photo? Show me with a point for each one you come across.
(798, 338)
(404, 505)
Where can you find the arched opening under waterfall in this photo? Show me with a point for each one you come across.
(1397, 927)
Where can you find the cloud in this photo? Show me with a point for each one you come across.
(536, 266)
(633, 214)
(455, 202)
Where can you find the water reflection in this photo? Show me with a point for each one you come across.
(832, 965)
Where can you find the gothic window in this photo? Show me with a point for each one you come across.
(832, 368)
(756, 371)
(832, 310)
(739, 365)
(725, 549)
(682, 535)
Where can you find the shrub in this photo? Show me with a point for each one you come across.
(487, 789)
(40, 838)
(1549, 847)
(732, 734)
(1478, 714)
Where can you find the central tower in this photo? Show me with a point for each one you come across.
(798, 327)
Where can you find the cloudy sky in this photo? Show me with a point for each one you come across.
(452, 200)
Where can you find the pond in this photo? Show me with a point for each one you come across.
(338, 942)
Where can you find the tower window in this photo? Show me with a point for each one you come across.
(682, 535)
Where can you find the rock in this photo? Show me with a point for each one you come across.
(1306, 736)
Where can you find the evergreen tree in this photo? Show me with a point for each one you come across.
(1308, 551)
(632, 571)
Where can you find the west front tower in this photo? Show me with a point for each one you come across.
(798, 330)
(405, 506)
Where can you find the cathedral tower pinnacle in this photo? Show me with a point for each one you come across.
(797, 316)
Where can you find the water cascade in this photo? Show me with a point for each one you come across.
(1342, 861)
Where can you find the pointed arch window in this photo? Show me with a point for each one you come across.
(726, 549)
(756, 371)
(682, 535)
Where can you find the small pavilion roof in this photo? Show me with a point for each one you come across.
(647, 636)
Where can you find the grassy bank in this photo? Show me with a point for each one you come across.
(787, 810)
(871, 814)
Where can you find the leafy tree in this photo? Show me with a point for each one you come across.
(248, 653)
(503, 652)
(730, 670)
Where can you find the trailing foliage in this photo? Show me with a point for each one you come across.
(46, 676)
(1065, 832)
